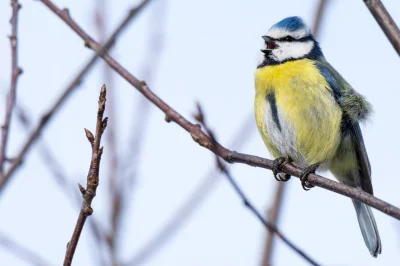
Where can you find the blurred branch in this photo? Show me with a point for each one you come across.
(275, 208)
(92, 179)
(12, 95)
(22, 252)
(100, 51)
(139, 126)
(192, 203)
(385, 21)
(116, 196)
(231, 156)
(200, 117)
(273, 215)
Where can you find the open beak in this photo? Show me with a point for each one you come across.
(270, 43)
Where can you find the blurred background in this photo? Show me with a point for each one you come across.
(160, 200)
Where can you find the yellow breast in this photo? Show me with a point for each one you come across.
(305, 105)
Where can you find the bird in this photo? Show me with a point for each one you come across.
(309, 115)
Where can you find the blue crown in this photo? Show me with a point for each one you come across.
(290, 24)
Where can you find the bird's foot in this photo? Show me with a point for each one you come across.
(275, 168)
(304, 174)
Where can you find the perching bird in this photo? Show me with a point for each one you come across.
(308, 113)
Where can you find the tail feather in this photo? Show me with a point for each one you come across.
(368, 228)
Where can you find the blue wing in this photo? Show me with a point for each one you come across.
(355, 108)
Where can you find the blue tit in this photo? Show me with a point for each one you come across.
(306, 111)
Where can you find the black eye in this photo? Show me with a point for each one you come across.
(288, 39)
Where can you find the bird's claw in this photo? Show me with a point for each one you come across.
(275, 168)
(304, 174)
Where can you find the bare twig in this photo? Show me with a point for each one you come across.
(231, 156)
(274, 210)
(385, 21)
(270, 226)
(100, 50)
(22, 252)
(92, 179)
(15, 72)
(273, 215)
(57, 171)
(111, 138)
(192, 203)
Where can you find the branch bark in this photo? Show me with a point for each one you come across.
(270, 226)
(385, 21)
(15, 72)
(92, 179)
(229, 156)
(100, 51)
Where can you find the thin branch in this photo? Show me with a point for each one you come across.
(92, 179)
(111, 138)
(15, 72)
(58, 173)
(21, 251)
(385, 21)
(192, 203)
(270, 226)
(100, 51)
(275, 208)
(231, 156)
(273, 215)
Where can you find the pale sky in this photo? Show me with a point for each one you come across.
(210, 54)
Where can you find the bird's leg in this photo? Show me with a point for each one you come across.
(275, 168)
(304, 174)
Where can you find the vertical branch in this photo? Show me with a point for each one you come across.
(15, 72)
(385, 21)
(116, 196)
(92, 179)
(274, 210)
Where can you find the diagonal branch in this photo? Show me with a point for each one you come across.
(15, 72)
(191, 204)
(101, 51)
(231, 156)
(222, 167)
(92, 179)
(21, 251)
(385, 21)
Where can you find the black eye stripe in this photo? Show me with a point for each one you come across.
(291, 39)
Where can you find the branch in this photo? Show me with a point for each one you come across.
(100, 51)
(231, 156)
(15, 72)
(58, 173)
(191, 204)
(270, 226)
(22, 252)
(92, 179)
(385, 21)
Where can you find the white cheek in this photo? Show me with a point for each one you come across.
(293, 50)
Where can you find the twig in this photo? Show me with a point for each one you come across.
(274, 210)
(192, 203)
(57, 171)
(385, 21)
(270, 226)
(111, 138)
(22, 252)
(101, 51)
(231, 156)
(15, 72)
(92, 179)
(273, 216)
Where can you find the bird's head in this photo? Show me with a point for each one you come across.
(289, 39)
